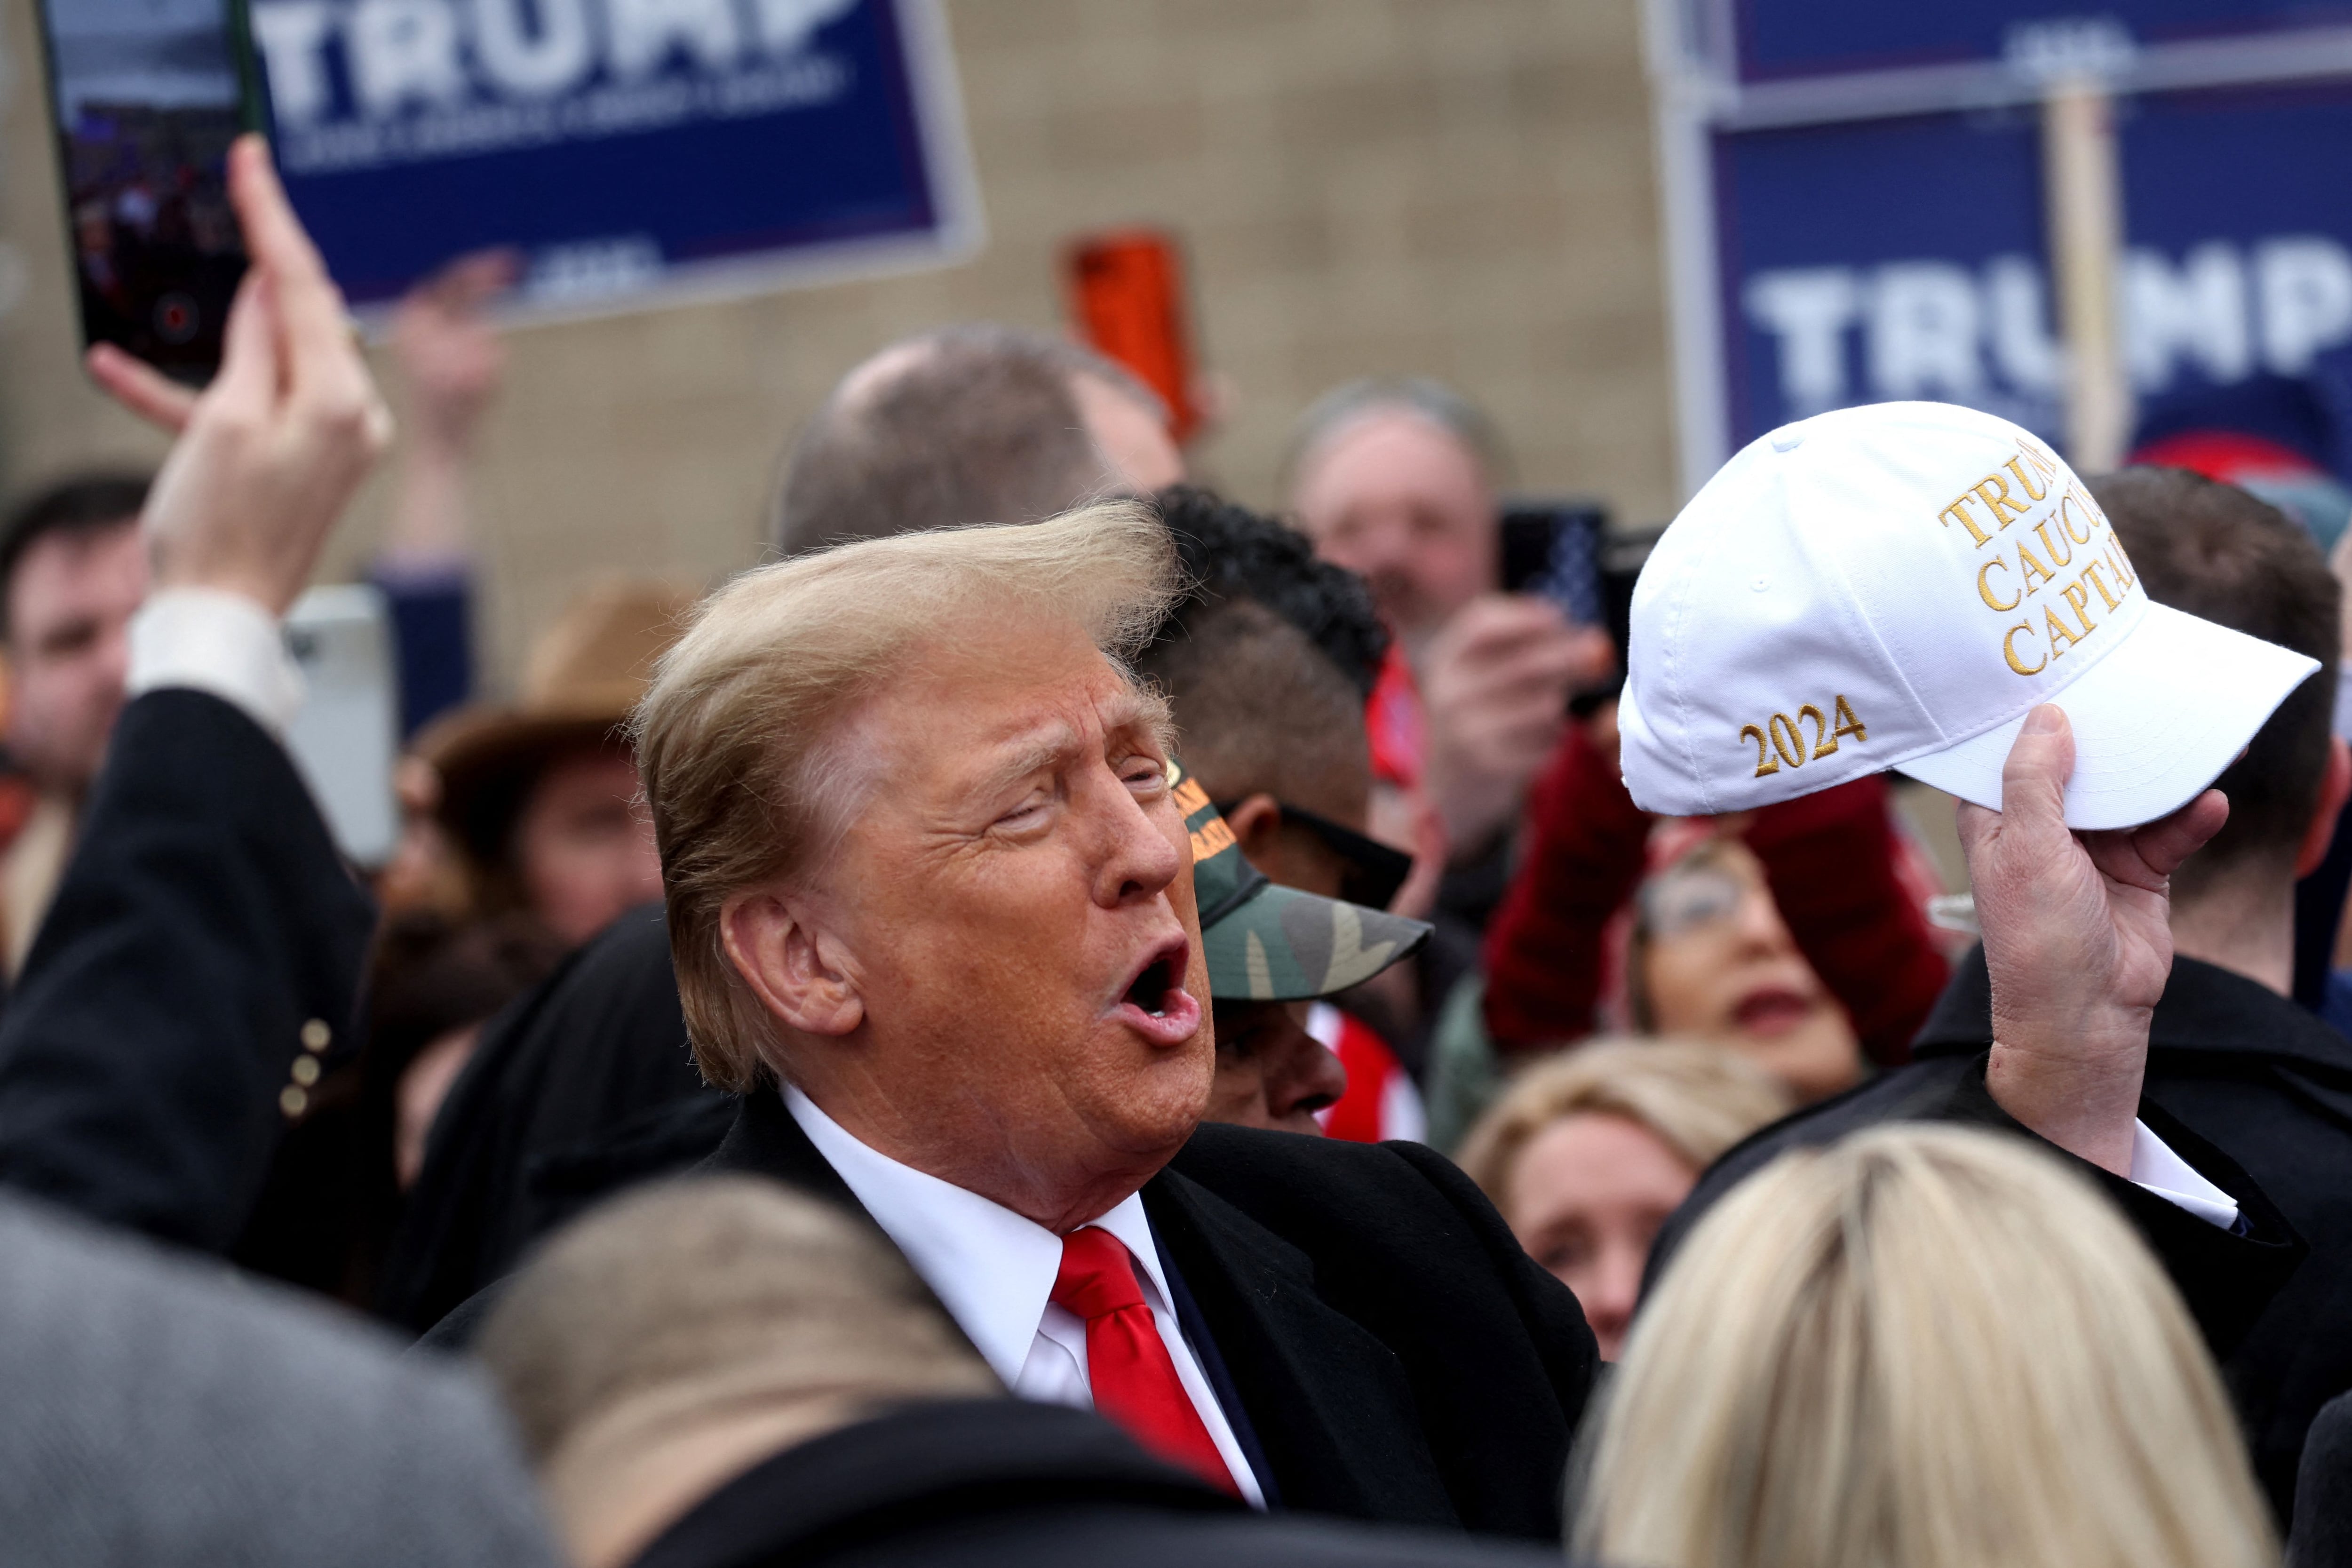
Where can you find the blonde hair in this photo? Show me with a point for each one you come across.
(703, 1295)
(733, 736)
(1697, 1099)
(1924, 1346)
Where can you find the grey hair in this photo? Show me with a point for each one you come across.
(1432, 400)
(967, 424)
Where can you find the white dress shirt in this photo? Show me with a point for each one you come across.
(994, 1271)
(211, 640)
(2157, 1168)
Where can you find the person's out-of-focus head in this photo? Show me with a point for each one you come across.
(73, 569)
(2218, 553)
(1267, 662)
(666, 1342)
(1397, 480)
(540, 794)
(972, 424)
(432, 984)
(1588, 1152)
(1926, 1345)
(924, 858)
(1711, 958)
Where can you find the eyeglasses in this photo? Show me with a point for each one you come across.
(1683, 900)
(1374, 870)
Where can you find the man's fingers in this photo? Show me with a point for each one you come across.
(1976, 824)
(274, 237)
(2163, 844)
(2034, 779)
(250, 372)
(141, 387)
(318, 332)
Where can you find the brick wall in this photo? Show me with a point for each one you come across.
(1460, 187)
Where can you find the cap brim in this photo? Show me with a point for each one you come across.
(1283, 945)
(2155, 722)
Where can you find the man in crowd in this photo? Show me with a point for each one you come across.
(73, 569)
(538, 794)
(929, 904)
(977, 423)
(2231, 1059)
(725, 1372)
(1397, 481)
(203, 934)
(1267, 661)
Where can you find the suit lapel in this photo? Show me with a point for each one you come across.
(1330, 1405)
(766, 1142)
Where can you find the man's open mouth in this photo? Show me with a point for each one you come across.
(1155, 1003)
(1161, 978)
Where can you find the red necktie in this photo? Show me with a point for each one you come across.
(1134, 1380)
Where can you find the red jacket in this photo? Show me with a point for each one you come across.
(1831, 861)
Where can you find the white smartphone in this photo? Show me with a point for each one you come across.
(346, 737)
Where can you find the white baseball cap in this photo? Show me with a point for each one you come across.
(1897, 586)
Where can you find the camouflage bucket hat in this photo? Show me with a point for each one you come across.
(1271, 943)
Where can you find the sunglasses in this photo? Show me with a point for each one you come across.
(1373, 871)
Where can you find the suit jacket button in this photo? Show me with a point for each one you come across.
(293, 1102)
(306, 1070)
(316, 1035)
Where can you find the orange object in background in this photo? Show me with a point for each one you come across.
(1127, 297)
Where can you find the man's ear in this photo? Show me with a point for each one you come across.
(2335, 786)
(800, 972)
(1256, 821)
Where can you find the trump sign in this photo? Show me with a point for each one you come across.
(625, 148)
(1856, 202)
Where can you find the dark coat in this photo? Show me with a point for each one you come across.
(983, 1483)
(2321, 1536)
(203, 926)
(2230, 1281)
(2271, 1086)
(1395, 1355)
(557, 1075)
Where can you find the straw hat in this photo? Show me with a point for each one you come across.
(583, 675)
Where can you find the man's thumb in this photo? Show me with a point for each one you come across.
(2034, 779)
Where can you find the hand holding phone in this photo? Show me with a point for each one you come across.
(146, 103)
(270, 453)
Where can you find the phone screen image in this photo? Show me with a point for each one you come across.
(147, 96)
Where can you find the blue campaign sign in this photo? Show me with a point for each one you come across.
(1878, 259)
(1777, 39)
(625, 148)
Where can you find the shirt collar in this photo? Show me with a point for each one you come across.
(991, 1269)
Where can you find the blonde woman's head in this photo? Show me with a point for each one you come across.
(1923, 1346)
(1588, 1152)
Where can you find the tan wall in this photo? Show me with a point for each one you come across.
(1460, 187)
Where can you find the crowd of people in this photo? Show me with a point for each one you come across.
(1057, 1017)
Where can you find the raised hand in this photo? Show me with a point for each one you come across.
(2078, 939)
(269, 454)
(1496, 688)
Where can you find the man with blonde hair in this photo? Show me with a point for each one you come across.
(930, 905)
(929, 900)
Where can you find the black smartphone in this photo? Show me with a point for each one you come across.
(1553, 549)
(1563, 550)
(145, 97)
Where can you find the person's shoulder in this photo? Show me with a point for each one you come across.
(1220, 1156)
(151, 1389)
(1329, 1196)
(2214, 1020)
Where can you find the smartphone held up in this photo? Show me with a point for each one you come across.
(145, 97)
